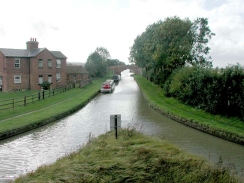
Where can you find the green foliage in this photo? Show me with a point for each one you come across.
(96, 65)
(218, 91)
(201, 35)
(113, 62)
(103, 52)
(169, 105)
(171, 44)
(45, 85)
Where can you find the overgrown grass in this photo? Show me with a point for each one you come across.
(46, 109)
(155, 94)
(133, 157)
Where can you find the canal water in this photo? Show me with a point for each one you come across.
(28, 151)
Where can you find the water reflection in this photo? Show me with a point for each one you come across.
(45, 145)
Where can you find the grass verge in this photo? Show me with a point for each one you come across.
(133, 157)
(21, 119)
(231, 129)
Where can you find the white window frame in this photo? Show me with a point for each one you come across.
(40, 63)
(17, 64)
(58, 78)
(49, 79)
(17, 79)
(49, 63)
(40, 79)
(58, 64)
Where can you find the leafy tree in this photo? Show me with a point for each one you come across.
(113, 62)
(103, 52)
(170, 44)
(201, 34)
(96, 65)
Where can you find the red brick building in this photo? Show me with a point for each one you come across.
(76, 73)
(27, 69)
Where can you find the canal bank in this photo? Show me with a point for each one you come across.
(132, 157)
(32, 116)
(213, 125)
(157, 104)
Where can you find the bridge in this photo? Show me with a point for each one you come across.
(119, 68)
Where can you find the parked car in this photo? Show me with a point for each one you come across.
(116, 77)
(108, 86)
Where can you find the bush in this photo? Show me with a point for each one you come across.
(45, 85)
(218, 91)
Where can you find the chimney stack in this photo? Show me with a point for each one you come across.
(32, 44)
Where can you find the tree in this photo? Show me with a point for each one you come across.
(112, 62)
(95, 65)
(201, 34)
(103, 52)
(170, 44)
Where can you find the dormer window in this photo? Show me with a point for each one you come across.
(17, 63)
(58, 64)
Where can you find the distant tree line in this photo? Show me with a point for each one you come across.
(174, 54)
(98, 62)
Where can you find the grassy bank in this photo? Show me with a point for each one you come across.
(228, 128)
(21, 119)
(133, 157)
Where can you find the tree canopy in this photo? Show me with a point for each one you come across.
(169, 44)
(98, 62)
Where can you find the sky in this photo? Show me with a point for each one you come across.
(78, 27)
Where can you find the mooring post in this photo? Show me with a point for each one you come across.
(116, 133)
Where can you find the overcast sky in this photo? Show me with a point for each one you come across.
(78, 27)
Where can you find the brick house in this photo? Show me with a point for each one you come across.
(76, 73)
(27, 69)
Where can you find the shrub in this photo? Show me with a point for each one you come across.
(45, 85)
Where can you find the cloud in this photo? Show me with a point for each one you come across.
(77, 27)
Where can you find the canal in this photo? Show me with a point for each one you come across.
(28, 151)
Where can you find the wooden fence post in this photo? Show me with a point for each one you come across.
(43, 94)
(25, 100)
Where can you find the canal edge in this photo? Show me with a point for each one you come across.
(43, 122)
(196, 125)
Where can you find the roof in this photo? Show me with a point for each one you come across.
(58, 54)
(28, 53)
(76, 69)
(15, 52)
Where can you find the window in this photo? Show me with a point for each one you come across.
(74, 76)
(17, 79)
(40, 63)
(40, 79)
(17, 63)
(58, 77)
(1, 81)
(49, 63)
(58, 64)
(49, 78)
